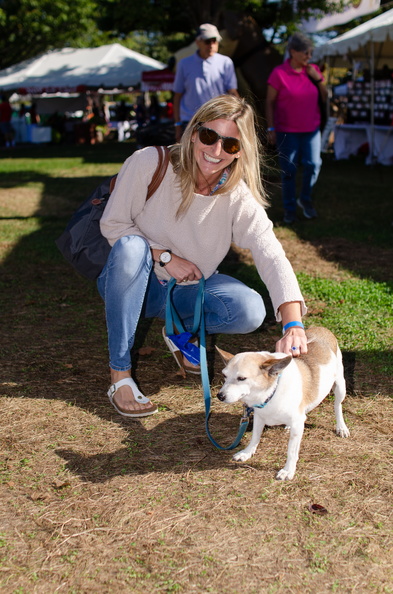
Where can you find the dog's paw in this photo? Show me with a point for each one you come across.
(284, 475)
(343, 431)
(242, 456)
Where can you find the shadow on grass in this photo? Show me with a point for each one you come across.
(354, 227)
(115, 152)
(174, 445)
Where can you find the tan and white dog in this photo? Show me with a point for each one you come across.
(282, 390)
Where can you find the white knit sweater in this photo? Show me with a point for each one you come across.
(205, 233)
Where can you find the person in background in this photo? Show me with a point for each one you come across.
(122, 112)
(154, 110)
(293, 123)
(140, 111)
(34, 117)
(6, 129)
(200, 77)
(106, 112)
(211, 195)
(169, 110)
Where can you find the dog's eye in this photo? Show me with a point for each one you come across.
(241, 378)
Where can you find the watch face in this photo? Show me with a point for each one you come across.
(165, 257)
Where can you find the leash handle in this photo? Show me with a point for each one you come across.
(172, 319)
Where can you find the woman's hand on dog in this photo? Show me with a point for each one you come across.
(294, 342)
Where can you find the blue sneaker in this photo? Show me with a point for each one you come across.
(308, 210)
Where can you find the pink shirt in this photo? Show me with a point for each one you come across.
(296, 106)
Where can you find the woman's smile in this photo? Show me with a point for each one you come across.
(212, 159)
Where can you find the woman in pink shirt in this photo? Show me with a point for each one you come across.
(293, 119)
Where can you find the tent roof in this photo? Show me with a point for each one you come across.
(108, 66)
(353, 43)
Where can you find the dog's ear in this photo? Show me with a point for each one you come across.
(275, 366)
(226, 357)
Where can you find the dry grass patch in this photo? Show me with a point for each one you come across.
(96, 504)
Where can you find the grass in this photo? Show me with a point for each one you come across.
(359, 310)
(93, 503)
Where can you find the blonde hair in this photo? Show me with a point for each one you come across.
(247, 167)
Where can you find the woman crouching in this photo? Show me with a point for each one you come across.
(210, 196)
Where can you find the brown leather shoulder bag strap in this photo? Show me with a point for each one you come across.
(163, 161)
(112, 184)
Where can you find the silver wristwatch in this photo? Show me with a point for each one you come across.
(165, 257)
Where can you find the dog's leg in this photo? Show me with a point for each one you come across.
(288, 472)
(339, 395)
(249, 451)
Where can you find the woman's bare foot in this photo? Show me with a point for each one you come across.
(124, 398)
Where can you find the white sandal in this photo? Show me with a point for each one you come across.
(195, 369)
(139, 397)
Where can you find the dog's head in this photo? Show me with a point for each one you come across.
(249, 376)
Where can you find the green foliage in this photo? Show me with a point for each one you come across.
(154, 27)
(168, 17)
(154, 45)
(29, 27)
(283, 13)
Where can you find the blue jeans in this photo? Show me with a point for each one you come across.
(130, 289)
(295, 148)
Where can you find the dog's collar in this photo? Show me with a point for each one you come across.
(269, 398)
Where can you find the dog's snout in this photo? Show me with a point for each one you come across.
(221, 396)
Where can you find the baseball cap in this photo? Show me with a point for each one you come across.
(208, 31)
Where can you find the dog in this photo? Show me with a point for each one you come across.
(281, 390)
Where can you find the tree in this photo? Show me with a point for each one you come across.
(29, 27)
(171, 16)
(154, 27)
(164, 16)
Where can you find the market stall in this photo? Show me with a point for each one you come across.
(369, 101)
(67, 77)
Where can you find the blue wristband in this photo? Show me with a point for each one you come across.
(292, 325)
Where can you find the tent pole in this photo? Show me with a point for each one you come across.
(330, 89)
(372, 119)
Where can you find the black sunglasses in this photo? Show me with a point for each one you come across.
(210, 137)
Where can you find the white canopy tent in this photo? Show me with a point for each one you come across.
(60, 79)
(371, 43)
(70, 70)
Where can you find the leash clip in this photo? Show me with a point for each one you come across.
(245, 418)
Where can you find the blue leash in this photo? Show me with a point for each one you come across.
(171, 319)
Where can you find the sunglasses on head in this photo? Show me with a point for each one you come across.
(210, 137)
